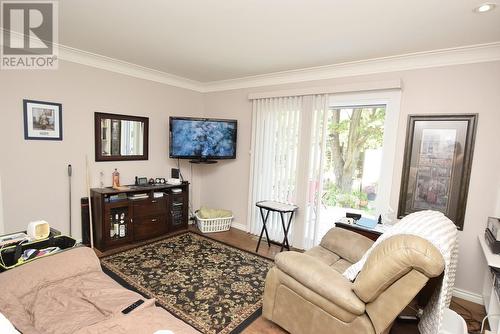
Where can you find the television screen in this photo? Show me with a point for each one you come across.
(202, 138)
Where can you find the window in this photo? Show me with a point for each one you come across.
(352, 147)
(353, 157)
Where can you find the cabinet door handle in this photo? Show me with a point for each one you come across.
(154, 201)
(154, 220)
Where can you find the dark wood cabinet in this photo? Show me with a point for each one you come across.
(150, 217)
(110, 210)
(369, 233)
(120, 218)
(150, 206)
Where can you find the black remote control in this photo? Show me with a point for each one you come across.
(132, 307)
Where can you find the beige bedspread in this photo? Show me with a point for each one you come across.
(69, 293)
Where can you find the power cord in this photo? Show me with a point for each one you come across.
(179, 169)
(191, 187)
(191, 211)
(474, 326)
(486, 317)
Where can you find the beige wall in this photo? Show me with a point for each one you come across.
(34, 173)
(454, 89)
(2, 229)
(225, 184)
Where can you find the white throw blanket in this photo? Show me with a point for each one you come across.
(442, 233)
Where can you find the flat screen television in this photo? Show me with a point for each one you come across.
(202, 138)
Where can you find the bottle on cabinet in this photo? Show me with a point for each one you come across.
(116, 225)
(111, 227)
(122, 226)
(122, 230)
(116, 179)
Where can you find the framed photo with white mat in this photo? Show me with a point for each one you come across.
(42, 120)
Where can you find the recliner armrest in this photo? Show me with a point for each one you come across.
(392, 259)
(320, 278)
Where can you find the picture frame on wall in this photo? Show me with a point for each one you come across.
(437, 164)
(42, 120)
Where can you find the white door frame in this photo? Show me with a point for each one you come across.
(392, 100)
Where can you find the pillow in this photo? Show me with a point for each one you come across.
(6, 326)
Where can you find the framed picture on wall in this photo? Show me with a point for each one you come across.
(42, 120)
(437, 164)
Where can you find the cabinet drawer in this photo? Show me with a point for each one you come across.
(148, 227)
(148, 207)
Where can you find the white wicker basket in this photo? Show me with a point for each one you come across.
(213, 224)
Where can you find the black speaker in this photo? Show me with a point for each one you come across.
(175, 173)
(84, 203)
(354, 216)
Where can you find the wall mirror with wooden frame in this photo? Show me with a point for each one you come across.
(120, 137)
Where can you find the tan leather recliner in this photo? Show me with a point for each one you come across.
(306, 292)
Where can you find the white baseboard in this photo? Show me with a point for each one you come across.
(469, 296)
(239, 226)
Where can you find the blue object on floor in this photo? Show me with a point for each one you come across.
(366, 222)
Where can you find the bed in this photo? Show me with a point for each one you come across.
(69, 293)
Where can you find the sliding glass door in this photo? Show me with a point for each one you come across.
(328, 154)
(351, 163)
(352, 144)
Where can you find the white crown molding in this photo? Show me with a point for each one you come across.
(444, 57)
(436, 58)
(82, 57)
(114, 65)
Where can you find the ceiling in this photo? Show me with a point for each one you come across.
(212, 40)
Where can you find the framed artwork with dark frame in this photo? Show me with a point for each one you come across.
(42, 120)
(437, 164)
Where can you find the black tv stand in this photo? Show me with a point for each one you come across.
(203, 161)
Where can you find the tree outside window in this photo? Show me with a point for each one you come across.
(353, 157)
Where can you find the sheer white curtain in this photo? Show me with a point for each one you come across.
(137, 135)
(126, 133)
(275, 146)
(131, 137)
(317, 145)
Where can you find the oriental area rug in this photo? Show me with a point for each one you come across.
(214, 287)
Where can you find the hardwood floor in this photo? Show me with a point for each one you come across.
(471, 312)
